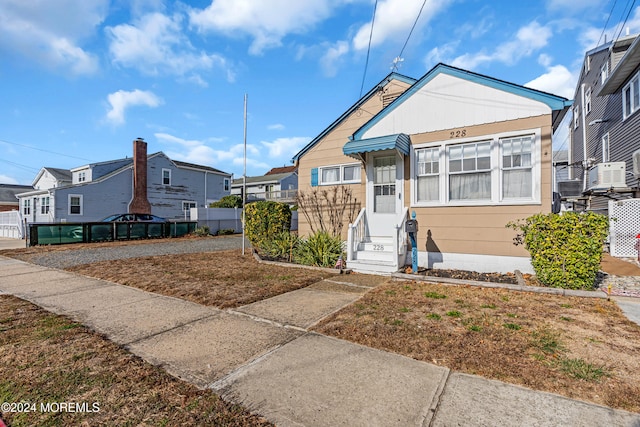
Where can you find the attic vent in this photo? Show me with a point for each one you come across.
(388, 98)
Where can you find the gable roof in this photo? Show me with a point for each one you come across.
(59, 174)
(198, 167)
(283, 169)
(354, 107)
(8, 192)
(554, 102)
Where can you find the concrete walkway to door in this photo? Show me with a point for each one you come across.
(262, 356)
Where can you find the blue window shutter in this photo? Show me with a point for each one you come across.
(314, 177)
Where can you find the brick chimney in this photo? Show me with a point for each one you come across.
(139, 203)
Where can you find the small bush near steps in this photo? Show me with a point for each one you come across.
(566, 249)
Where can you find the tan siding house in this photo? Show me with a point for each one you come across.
(465, 152)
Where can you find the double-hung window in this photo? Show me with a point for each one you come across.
(26, 206)
(166, 176)
(631, 96)
(470, 171)
(587, 101)
(517, 171)
(75, 204)
(428, 174)
(44, 205)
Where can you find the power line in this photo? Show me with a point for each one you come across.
(625, 19)
(399, 58)
(366, 64)
(43, 150)
(606, 23)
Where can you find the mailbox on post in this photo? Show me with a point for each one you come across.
(411, 226)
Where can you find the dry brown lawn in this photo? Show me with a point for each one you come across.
(48, 359)
(224, 279)
(582, 348)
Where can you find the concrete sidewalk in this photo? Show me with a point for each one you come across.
(262, 356)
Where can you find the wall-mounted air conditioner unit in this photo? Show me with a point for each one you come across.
(607, 175)
(570, 189)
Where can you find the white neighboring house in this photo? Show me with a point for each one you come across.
(279, 185)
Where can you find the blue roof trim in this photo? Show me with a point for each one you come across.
(553, 101)
(400, 141)
(354, 107)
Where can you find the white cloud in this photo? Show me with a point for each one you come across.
(394, 19)
(285, 147)
(332, 57)
(5, 179)
(121, 100)
(276, 126)
(198, 152)
(529, 39)
(558, 80)
(46, 32)
(440, 54)
(267, 22)
(155, 44)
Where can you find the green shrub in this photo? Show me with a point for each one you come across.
(264, 220)
(319, 249)
(566, 249)
(202, 231)
(226, 231)
(231, 201)
(282, 245)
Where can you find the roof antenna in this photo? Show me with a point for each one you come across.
(397, 61)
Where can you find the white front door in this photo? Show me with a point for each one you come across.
(385, 172)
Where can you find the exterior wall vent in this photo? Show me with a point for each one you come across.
(607, 175)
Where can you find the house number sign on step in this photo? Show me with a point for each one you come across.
(378, 247)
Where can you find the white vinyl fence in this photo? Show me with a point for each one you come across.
(624, 226)
(11, 225)
(226, 218)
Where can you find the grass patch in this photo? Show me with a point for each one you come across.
(491, 306)
(433, 316)
(454, 313)
(512, 326)
(434, 295)
(579, 369)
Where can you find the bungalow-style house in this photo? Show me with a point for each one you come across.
(152, 184)
(279, 184)
(8, 199)
(466, 152)
(605, 131)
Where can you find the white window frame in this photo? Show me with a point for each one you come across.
(341, 179)
(162, 177)
(82, 176)
(227, 184)
(45, 203)
(497, 169)
(188, 204)
(606, 147)
(512, 167)
(604, 71)
(26, 206)
(79, 196)
(422, 172)
(633, 98)
(587, 101)
(576, 117)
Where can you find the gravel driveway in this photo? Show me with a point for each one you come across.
(70, 258)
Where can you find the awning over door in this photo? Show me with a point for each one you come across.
(398, 142)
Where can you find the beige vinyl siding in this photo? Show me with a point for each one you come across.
(481, 229)
(328, 151)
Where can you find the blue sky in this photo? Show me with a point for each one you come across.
(81, 79)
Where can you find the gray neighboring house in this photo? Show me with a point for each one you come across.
(8, 199)
(145, 183)
(605, 131)
(279, 184)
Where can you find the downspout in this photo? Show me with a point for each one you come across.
(585, 165)
(205, 189)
